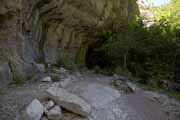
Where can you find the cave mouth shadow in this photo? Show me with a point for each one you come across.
(95, 57)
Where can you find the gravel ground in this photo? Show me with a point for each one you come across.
(148, 105)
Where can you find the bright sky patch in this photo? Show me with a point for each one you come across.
(157, 2)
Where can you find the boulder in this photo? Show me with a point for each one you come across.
(132, 86)
(48, 105)
(62, 70)
(35, 110)
(55, 113)
(46, 79)
(69, 101)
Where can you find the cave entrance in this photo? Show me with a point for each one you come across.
(95, 57)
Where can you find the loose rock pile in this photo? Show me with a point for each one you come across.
(52, 109)
(59, 98)
(89, 96)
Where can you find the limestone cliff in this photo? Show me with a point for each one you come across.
(53, 31)
(146, 14)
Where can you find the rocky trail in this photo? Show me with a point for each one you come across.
(107, 102)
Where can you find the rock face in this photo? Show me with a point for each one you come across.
(55, 31)
(69, 101)
(146, 14)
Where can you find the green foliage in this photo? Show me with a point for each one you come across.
(67, 63)
(2, 92)
(122, 71)
(18, 81)
(151, 54)
(36, 77)
(3, 36)
(170, 12)
(174, 94)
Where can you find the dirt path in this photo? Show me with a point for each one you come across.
(147, 109)
(98, 91)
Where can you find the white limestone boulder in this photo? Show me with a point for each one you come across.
(35, 110)
(47, 79)
(69, 101)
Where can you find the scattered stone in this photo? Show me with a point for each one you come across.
(55, 84)
(116, 82)
(125, 88)
(55, 113)
(69, 101)
(35, 110)
(46, 79)
(62, 70)
(132, 86)
(48, 104)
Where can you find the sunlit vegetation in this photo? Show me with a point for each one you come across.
(169, 12)
(150, 54)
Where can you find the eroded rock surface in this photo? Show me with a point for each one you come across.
(55, 31)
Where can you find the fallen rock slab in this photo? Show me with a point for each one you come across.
(35, 110)
(69, 101)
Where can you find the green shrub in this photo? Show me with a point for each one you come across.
(17, 80)
(151, 54)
